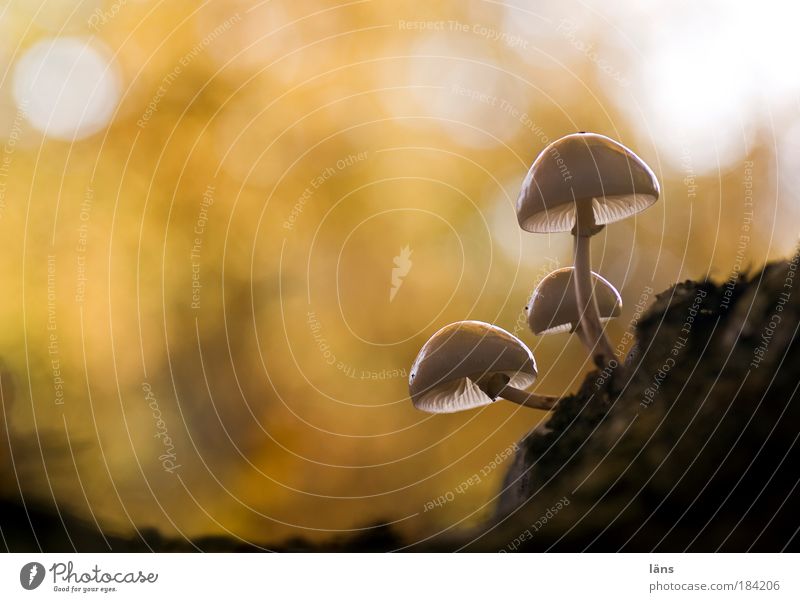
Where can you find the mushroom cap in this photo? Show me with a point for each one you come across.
(453, 369)
(584, 166)
(553, 307)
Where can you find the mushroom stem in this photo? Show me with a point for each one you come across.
(595, 338)
(529, 400)
(582, 336)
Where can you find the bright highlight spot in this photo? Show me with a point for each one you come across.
(68, 88)
(703, 85)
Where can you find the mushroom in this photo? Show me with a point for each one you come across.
(578, 184)
(553, 308)
(470, 364)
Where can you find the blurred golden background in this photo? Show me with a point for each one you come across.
(229, 226)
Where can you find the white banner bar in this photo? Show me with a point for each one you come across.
(401, 577)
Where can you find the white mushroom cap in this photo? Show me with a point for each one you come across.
(454, 368)
(580, 167)
(553, 307)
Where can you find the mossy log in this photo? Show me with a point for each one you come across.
(694, 449)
